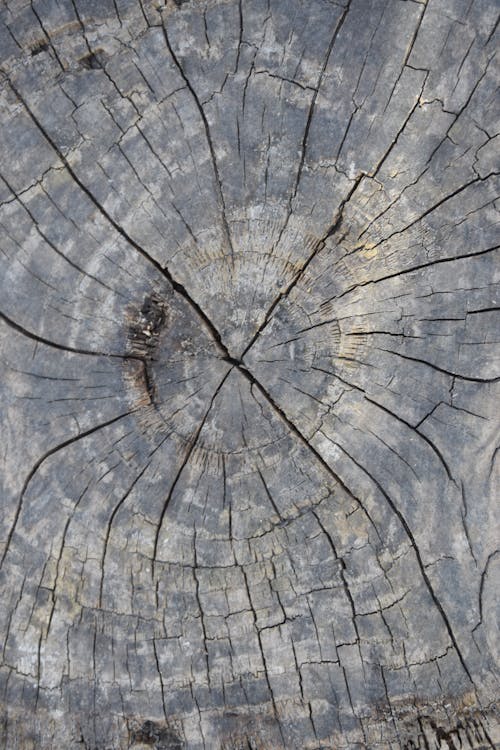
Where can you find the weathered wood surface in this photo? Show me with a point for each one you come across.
(249, 374)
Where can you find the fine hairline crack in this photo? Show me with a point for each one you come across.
(182, 291)
(164, 270)
(239, 590)
(237, 363)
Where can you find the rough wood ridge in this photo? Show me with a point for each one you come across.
(249, 374)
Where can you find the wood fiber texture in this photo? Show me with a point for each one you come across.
(249, 365)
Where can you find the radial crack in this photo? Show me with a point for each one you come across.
(42, 460)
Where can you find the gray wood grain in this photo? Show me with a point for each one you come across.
(249, 374)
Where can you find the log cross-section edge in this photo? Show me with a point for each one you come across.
(249, 374)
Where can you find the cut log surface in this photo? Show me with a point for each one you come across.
(249, 356)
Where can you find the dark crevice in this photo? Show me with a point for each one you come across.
(418, 556)
(51, 244)
(295, 430)
(319, 245)
(412, 269)
(218, 181)
(433, 208)
(481, 586)
(153, 318)
(190, 447)
(345, 583)
(457, 375)
(164, 271)
(44, 46)
(42, 460)
(91, 61)
(73, 350)
(312, 106)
